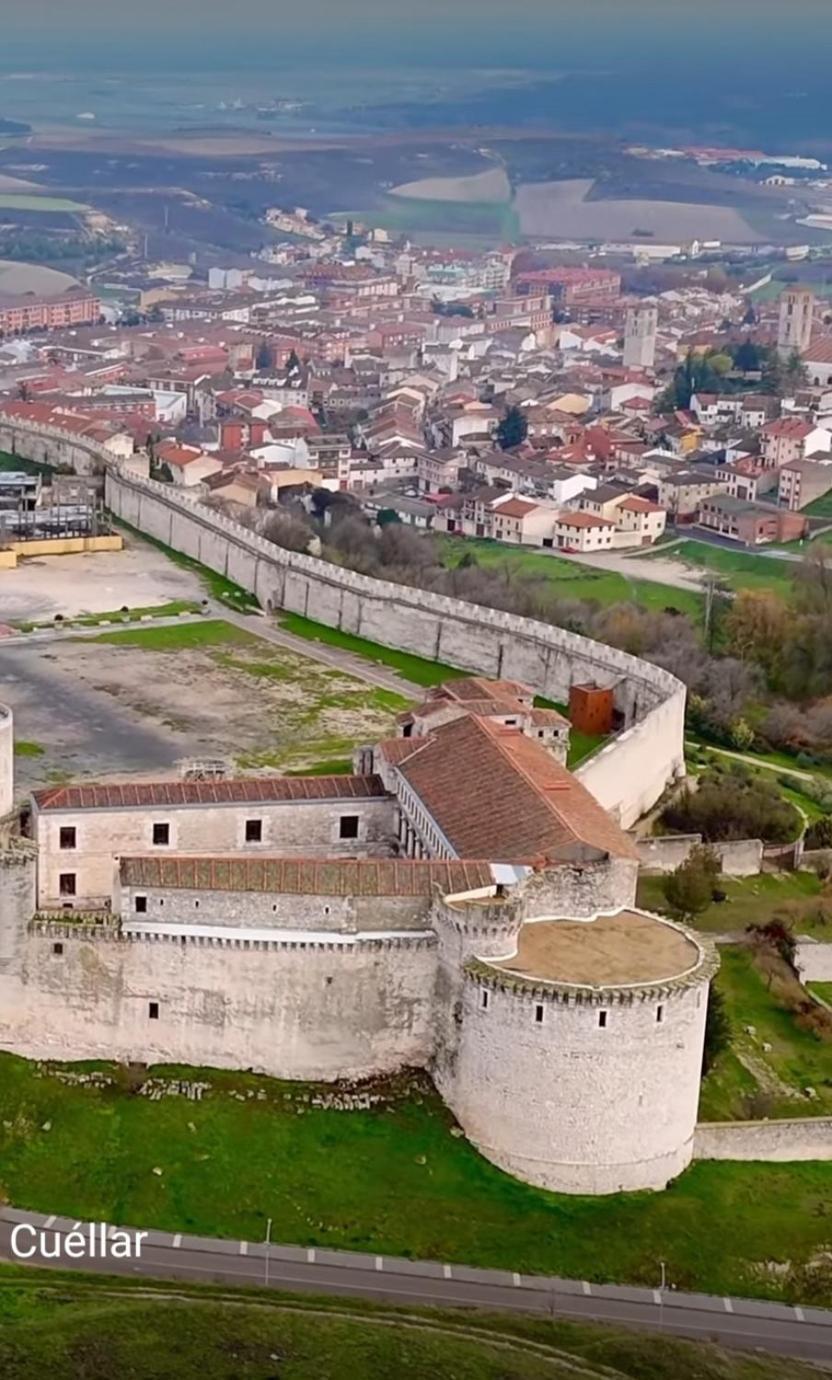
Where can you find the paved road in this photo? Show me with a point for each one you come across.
(742, 1323)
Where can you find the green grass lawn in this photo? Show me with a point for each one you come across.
(749, 900)
(821, 507)
(739, 569)
(130, 615)
(391, 1180)
(19, 201)
(22, 748)
(418, 670)
(15, 464)
(57, 1324)
(822, 990)
(573, 581)
(211, 632)
(796, 1060)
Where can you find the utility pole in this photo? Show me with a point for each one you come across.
(662, 1286)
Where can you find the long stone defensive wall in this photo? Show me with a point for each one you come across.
(804, 1138)
(627, 776)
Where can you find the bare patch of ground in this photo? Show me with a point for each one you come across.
(562, 209)
(104, 710)
(491, 186)
(98, 582)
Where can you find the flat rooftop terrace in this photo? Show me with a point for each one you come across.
(628, 948)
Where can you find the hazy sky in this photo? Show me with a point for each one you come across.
(494, 31)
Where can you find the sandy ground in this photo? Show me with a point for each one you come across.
(17, 278)
(491, 186)
(560, 209)
(138, 576)
(663, 570)
(103, 710)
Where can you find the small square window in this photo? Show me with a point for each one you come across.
(67, 836)
(538, 1015)
(66, 884)
(602, 1019)
(349, 827)
(57, 949)
(153, 1011)
(254, 831)
(140, 905)
(161, 834)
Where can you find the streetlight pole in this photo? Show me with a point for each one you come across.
(661, 1294)
(268, 1244)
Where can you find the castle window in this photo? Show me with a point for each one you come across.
(66, 884)
(67, 837)
(153, 1011)
(538, 1014)
(254, 831)
(602, 1019)
(659, 1014)
(348, 827)
(485, 996)
(57, 949)
(140, 905)
(161, 834)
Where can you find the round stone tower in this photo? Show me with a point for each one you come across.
(578, 1054)
(6, 761)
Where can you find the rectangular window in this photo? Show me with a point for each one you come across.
(349, 827)
(254, 831)
(659, 1014)
(538, 1015)
(140, 905)
(153, 1011)
(484, 996)
(602, 1019)
(161, 834)
(67, 836)
(57, 949)
(66, 884)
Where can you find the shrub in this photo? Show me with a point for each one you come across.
(733, 804)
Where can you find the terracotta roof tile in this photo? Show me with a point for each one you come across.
(244, 790)
(307, 876)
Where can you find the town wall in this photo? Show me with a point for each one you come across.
(663, 853)
(301, 1010)
(6, 760)
(804, 1138)
(627, 776)
(275, 910)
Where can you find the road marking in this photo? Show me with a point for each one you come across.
(243, 1248)
(379, 1263)
(310, 1255)
(177, 1240)
(729, 1307)
(516, 1280)
(446, 1270)
(48, 1223)
(657, 1295)
(798, 1312)
(587, 1288)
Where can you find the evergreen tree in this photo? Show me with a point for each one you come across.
(264, 357)
(513, 429)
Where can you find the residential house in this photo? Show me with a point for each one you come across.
(792, 438)
(750, 524)
(681, 492)
(802, 482)
(583, 532)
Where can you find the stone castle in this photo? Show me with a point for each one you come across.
(461, 904)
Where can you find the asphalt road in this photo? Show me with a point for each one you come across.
(741, 1323)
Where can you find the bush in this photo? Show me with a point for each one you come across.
(688, 890)
(733, 804)
(819, 834)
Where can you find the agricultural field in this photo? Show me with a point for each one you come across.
(17, 201)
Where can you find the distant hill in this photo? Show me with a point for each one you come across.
(14, 127)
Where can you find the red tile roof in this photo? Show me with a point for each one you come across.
(496, 794)
(242, 791)
(307, 876)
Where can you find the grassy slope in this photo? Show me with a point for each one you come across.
(65, 1328)
(797, 1058)
(738, 569)
(574, 581)
(391, 1180)
(749, 900)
